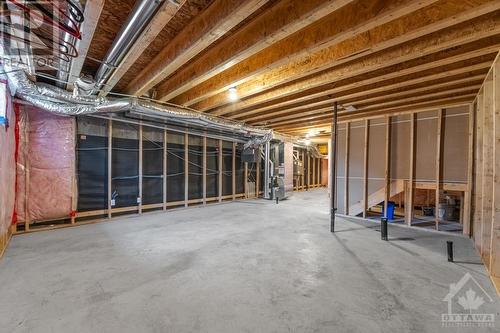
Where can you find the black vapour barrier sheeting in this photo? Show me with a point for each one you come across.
(240, 171)
(125, 172)
(212, 168)
(152, 172)
(227, 168)
(175, 169)
(195, 168)
(92, 171)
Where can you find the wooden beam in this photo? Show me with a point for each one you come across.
(376, 113)
(205, 29)
(74, 184)
(27, 171)
(439, 144)
(495, 227)
(276, 23)
(92, 13)
(220, 170)
(387, 61)
(346, 168)
(384, 40)
(424, 84)
(467, 204)
(320, 122)
(302, 47)
(365, 167)
(165, 174)
(478, 172)
(186, 169)
(110, 163)
(440, 66)
(141, 153)
(164, 15)
(403, 98)
(204, 170)
(487, 187)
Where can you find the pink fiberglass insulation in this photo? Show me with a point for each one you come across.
(47, 152)
(7, 164)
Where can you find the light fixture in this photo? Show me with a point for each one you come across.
(233, 94)
(308, 142)
(350, 108)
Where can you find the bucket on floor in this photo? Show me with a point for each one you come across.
(390, 210)
(446, 212)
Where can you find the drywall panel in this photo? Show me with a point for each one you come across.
(356, 162)
(425, 146)
(376, 156)
(400, 147)
(341, 137)
(455, 145)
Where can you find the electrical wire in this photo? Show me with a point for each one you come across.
(48, 18)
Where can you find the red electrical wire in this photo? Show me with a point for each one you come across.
(50, 21)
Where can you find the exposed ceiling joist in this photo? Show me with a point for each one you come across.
(341, 25)
(280, 21)
(204, 30)
(420, 48)
(321, 113)
(93, 9)
(393, 111)
(398, 32)
(166, 12)
(318, 108)
(368, 89)
(411, 74)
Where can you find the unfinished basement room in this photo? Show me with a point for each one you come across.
(259, 166)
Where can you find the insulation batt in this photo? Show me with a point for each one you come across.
(49, 154)
(7, 167)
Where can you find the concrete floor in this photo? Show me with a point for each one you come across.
(250, 266)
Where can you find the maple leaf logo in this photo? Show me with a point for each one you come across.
(471, 301)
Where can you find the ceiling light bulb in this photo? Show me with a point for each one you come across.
(233, 94)
(308, 142)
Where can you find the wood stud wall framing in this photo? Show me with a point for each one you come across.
(410, 184)
(485, 194)
(140, 207)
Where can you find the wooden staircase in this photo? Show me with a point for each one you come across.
(397, 186)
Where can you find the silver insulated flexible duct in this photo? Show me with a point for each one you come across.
(62, 102)
(140, 16)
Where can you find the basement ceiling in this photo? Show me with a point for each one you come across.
(289, 60)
